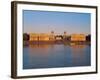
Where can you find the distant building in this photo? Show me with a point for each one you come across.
(33, 37)
(78, 37)
(39, 37)
(52, 37)
(43, 37)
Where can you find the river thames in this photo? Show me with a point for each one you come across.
(57, 55)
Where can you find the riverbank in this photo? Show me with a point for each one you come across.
(26, 43)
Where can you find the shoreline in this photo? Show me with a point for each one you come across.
(26, 43)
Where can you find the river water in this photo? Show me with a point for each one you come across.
(53, 56)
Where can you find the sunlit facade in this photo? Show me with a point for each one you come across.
(33, 37)
(43, 37)
(51, 37)
(39, 37)
(78, 37)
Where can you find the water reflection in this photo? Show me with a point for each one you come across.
(81, 53)
(50, 56)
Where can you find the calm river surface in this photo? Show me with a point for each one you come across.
(52, 56)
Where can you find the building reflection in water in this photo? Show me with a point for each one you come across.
(46, 55)
(80, 54)
(39, 46)
(39, 53)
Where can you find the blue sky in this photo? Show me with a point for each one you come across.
(47, 21)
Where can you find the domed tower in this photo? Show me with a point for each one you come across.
(52, 32)
(52, 37)
(65, 35)
(65, 32)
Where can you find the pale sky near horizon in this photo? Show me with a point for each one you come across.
(47, 21)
